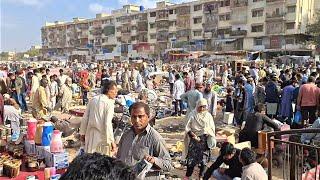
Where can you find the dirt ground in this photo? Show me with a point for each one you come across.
(171, 129)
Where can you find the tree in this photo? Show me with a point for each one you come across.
(314, 30)
(33, 52)
(4, 56)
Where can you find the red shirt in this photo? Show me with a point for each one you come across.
(308, 95)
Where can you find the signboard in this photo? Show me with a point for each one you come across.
(275, 42)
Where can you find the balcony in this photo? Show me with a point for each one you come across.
(152, 31)
(258, 47)
(239, 4)
(172, 28)
(238, 33)
(184, 10)
(207, 35)
(275, 16)
(294, 46)
(97, 43)
(172, 17)
(162, 40)
(290, 16)
(126, 21)
(211, 7)
(126, 32)
(162, 15)
(275, 1)
(162, 25)
(238, 19)
(133, 32)
(143, 17)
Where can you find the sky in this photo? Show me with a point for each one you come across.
(21, 20)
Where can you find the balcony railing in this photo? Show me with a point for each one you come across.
(160, 18)
(275, 1)
(238, 33)
(241, 3)
(275, 15)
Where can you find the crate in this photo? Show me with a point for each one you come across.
(30, 147)
(57, 160)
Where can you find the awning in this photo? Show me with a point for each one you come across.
(224, 40)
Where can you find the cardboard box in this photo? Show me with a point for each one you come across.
(228, 118)
(57, 160)
(30, 147)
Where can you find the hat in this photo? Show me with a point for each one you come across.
(202, 102)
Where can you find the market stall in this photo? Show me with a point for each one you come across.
(37, 154)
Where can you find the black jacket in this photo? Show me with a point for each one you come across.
(255, 122)
(235, 166)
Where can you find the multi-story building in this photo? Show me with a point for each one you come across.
(218, 25)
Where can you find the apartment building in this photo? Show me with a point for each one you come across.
(217, 25)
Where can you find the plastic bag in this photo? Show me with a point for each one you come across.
(142, 168)
(297, 117)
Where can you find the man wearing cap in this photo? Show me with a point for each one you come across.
(211, 97)
(192, 97)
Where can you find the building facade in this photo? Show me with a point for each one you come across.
(216, 25)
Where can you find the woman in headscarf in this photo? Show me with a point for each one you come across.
(200, 131)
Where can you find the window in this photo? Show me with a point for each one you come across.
(152, 36)
(197, 7)
(172, 35)
(257, 13)
(171, 11)
(291, 9)
(91, 41)
(152, 25)
(172, 23)
(256, 0)
(119, 39)
(153, 14)
(197, 33)
(225, 3)
(290, 25)
(222, 18)
(118, 19)
(197, 20)
(290, 41)
(258, 41)
(103, 40)
(225, 17)
(257, 28)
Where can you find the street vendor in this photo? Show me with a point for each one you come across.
(229, 156)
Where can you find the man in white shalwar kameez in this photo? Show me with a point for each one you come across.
(96, 126)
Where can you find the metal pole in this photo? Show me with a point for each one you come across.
(269, 157)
